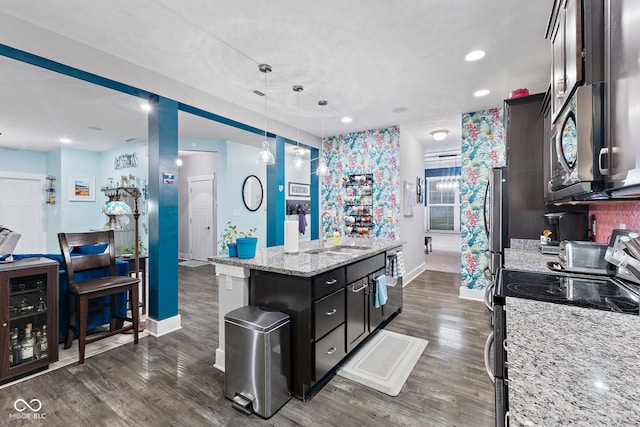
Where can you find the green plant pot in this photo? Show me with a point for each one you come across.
(247, 247)
(233, 250)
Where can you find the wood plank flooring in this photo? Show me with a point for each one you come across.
(170, 380)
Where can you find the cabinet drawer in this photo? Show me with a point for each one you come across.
(328, 282)
(329, 313)
(329, 351)
(365, 267)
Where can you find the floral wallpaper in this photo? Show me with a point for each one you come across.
(374, 152)
(483, 148)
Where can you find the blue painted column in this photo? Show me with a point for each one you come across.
(163, 209)
(315, 194)
(275, 197)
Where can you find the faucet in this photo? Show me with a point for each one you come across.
(322, 235)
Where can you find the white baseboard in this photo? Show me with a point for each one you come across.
(158, 328)
(184, 256)
(472, 294)
(413, 274)
(219, 363)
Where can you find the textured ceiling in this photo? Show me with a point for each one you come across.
(367, 58)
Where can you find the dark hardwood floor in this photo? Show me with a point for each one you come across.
(171, 381)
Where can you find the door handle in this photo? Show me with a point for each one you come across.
(208, 227)
(487, 357)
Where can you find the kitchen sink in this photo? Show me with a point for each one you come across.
(339, 250)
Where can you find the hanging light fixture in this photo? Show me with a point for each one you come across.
(439, 135)
(323, 169)
(265, 156)
(298, 162)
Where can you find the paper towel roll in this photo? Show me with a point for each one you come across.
(291, 237)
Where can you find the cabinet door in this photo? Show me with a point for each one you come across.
(567, 60)
(558, 81)
(357, 303)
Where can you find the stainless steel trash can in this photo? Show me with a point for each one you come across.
(257, 360)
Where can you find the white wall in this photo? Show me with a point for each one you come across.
(411, 227)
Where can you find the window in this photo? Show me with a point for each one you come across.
(443, 204)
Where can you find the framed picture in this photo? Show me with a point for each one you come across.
(82, 188)
(298, 189)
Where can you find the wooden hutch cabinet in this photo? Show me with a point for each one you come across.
(29, 316)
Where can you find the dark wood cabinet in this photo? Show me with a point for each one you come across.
(565, 32)
(357, 315)
(330, 316)
(29, 301)
(524, 134)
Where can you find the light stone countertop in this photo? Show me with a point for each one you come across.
(528, 260)
(303, 264)
(569, 366)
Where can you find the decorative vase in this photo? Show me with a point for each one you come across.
(247, 246)
(233, 250)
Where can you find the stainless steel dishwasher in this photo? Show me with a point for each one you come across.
(257, 360)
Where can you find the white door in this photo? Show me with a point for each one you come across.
(21, 210)
(202, 233)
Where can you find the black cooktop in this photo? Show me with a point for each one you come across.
(599, 293)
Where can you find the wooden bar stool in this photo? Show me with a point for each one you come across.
(101, 253)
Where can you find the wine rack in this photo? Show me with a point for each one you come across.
(358, 205)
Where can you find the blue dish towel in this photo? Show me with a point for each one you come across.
(381, 290)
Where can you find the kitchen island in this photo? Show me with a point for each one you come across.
(569, 365)
(329, 293)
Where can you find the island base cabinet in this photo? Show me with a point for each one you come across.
(329, 351)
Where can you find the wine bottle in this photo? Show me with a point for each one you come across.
(28, 344)
(44, 342)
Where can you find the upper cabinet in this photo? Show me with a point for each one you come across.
(565, 32)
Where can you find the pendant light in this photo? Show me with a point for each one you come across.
(265, 156)
(298, 162)
(323, 169)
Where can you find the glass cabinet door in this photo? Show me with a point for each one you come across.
(28, 320)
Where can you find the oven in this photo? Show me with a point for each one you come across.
(592, 292)
(577, 139)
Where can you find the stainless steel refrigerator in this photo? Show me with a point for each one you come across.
(496, 218)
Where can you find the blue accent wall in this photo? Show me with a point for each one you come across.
(163, 209)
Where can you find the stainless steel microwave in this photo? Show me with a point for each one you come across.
(576, 141)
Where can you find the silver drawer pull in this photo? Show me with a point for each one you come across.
(331, 350)
(331, 282)
(331, 313)
(354, 290)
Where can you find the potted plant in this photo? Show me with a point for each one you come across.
(247, 244)
(228, 239)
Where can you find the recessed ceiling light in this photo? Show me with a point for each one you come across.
(481, 92)
(475, 55)
(179, 161)
(346, 119)
(65, 140)
(145, 106)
